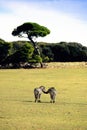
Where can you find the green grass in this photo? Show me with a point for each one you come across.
(18, 111)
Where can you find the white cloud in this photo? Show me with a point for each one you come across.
(63, 27)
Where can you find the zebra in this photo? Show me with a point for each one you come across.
(52, 92)
(38, 92)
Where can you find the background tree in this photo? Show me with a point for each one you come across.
(31, 31)
(47, 53)
(4, 51)
(22, 55)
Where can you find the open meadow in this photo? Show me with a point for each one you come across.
(18, 111)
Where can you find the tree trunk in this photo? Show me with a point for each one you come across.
(36, 49)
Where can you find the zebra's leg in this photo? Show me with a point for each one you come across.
(36, 97)
(35, 100)
(52, 96)
(39, 98)
(53, 101)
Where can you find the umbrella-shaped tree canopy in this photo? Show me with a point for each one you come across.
(31, 30)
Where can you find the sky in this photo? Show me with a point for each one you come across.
(66, 19)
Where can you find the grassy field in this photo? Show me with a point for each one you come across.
(18, 111)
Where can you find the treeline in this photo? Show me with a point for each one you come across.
(64, 52)
(22, 54)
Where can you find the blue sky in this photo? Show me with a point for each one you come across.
(66, 19)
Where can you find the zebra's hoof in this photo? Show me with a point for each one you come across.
(39, 101)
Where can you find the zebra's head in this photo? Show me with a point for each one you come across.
(42, 88)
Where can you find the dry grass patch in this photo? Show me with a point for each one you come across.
(67, 65)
